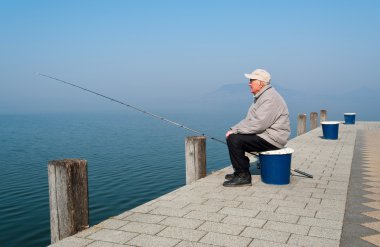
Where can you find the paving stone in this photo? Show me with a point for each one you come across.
(320, 207)
(182, 233)
(225, 240)
(182, 222)
(89, 231)
(264, 243)
(153, 241)
(287, 227)
(320, 222)
(193, 244)
(223, 203)
(299, 240)
(244, 221)
(216, 217)
(258, 206)
(170, 204)
(176, 212)
(189, 199)
(202, 207)
(143, 208)
(231, 193)
(336, 191)
(296, 211)
(289, 204)
(123, 215)
(253, 199)
(330, 215)
(221, 228)
(287, 218)
(269, 195)
(231, 196)
(265, 234)
(341, 197)
(113, 236)
(106, 244)
(72, 242)
(239, 212)
(333, 203)
(112, 224)
(295, 192)
(302, 199)
(145, 218)
(325, 233)
(140, 227)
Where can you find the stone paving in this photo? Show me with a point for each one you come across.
(307, 212)
(362, 218)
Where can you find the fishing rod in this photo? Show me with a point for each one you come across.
(153, 115)
(134, 107)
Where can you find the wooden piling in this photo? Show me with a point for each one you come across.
(323, 115)
(301, 124)
(68, 196)
(195, 158)
(313, 120)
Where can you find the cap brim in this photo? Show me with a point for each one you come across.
(253, 77)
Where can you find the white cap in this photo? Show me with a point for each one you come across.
(259, 74)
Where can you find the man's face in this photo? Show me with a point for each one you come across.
(255, 85)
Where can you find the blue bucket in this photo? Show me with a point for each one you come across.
(275, 166)
(330, 129)
(349, 118)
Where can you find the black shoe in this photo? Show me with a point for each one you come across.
(239, 180)
(231, 176)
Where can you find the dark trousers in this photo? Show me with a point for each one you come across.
(238, 144)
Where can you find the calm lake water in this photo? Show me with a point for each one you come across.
(131, 158)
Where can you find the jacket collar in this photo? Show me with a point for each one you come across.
(262, 91)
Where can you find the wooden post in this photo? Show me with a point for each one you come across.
(323, 115)
(195, 158)
(68, 196)
(301, 124)
(313, 120)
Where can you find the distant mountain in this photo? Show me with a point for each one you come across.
(363, 100)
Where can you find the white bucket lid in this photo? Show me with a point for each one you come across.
(279, 151)
(350, 113)
(330, 122)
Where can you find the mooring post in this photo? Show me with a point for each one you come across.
(313, 120)
(323, 115)
(301, 124)
(68, 196)
(195, 158)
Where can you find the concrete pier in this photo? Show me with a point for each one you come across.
(343, 197)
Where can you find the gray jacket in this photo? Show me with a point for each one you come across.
(268, 117)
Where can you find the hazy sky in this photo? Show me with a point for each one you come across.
(162, 53)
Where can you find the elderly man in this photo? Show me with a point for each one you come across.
(266, 127)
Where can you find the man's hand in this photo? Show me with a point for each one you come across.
(229, 133)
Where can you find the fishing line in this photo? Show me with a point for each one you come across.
(134, 107)
(152, 115)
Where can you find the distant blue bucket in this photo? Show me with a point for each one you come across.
(330, 129)
(275, 166)
(349, 118)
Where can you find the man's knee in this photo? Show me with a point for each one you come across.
(234, 139)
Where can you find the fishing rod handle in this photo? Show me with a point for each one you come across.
(303, 173)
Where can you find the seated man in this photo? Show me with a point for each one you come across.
(266, 127)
